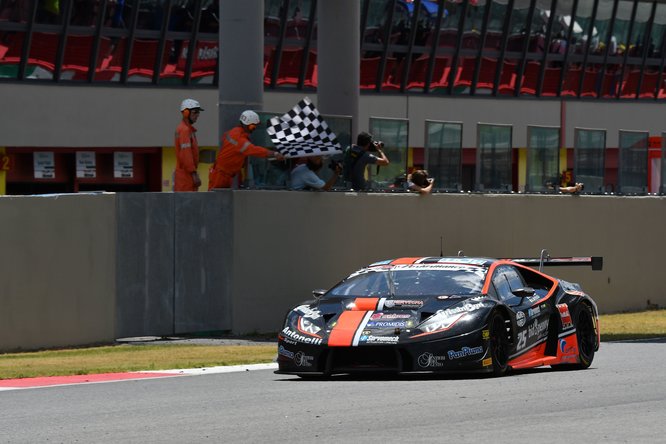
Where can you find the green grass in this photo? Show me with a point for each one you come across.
(642, 325)
(123, 358)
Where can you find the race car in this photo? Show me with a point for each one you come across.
(444, 314)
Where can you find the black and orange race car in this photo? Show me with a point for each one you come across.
(443, 314)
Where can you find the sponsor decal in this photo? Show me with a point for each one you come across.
(427, 359)
(442, 297)
(303, 360)
(520, 318)
(465, 308)
(464, 352)
(386, 324)
(565, 348)
(387, 316)
(370, 339)
(487, 362)
(311, 313)
(407, 303)
(534, 311)
(485, 334)
(537, 328)
(534, 298)
(565, 316)
(284, 352)
(300, 338)
(575, 293)
(287, 340)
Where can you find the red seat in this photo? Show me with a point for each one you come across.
(144, 55)
(370, 68)
(78, 50)
(649, 84)
(418, 71)
(311, 70)
(465, 72)
(507, 78)
(530, 78)
(13, 49)
(487, 73)
(630, 85)
(440, 73)
(610, 83)
(111, 67)
(571, 82)
(590, 82)
(290, 67)
(551, 82)
(43, 49)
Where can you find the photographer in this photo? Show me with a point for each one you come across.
(357, 157)
(419, 182)
(304, 175)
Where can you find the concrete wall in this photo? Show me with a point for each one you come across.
(239, 260)
(57, 270)
(98, 116)
(287, 244)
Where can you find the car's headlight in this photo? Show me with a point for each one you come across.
(440, 321)
(307, 327)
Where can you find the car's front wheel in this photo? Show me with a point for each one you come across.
(586, 336)
(499, 344)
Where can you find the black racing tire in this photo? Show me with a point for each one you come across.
(586, 336)
(498, 344)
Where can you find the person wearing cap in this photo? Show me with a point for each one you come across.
(186, 177)
(236, 146)
(357, 157)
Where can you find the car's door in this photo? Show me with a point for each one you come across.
(531, 318)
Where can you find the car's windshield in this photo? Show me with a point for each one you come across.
(426, 281)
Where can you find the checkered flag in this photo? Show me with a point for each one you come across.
(302, 132)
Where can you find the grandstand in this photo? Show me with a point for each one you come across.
(488, 95)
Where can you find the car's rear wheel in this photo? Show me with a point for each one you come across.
(499, 344)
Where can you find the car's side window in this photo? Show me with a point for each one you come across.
(505, 280)
(535, 280)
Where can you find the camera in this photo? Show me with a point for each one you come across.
(376, 145)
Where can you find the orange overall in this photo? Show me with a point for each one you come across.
(236, 146)
(187, 157)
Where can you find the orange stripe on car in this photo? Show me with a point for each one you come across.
(405, 260)
(365, 304)
(342, 334)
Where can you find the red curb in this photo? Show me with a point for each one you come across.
(78, 379)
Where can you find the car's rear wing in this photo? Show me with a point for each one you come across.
(596, 262)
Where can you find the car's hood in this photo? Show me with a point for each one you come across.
(357, 321)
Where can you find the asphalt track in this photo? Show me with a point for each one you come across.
(621, 398)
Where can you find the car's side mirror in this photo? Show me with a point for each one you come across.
(318, 293)
(523, 292)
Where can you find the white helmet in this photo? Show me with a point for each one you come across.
(249, 117)
(190, 104)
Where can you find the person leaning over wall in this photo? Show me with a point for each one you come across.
(304, 175)
(419, 182)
